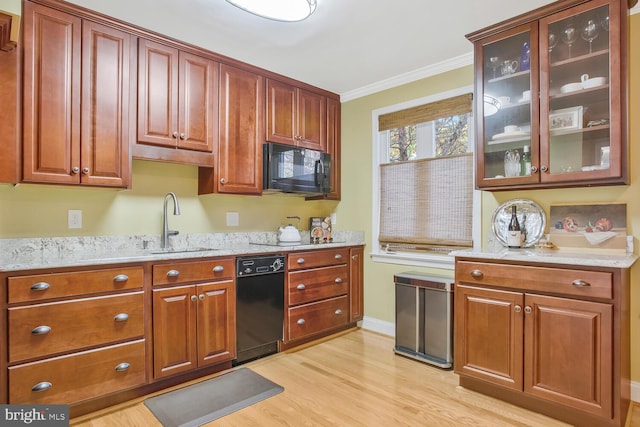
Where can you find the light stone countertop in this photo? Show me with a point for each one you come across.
(55, 252)
(552, 256)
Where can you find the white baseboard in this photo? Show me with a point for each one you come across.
(388, 328)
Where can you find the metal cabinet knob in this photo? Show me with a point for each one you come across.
(338, 312)
(534, 169)
(476, 274)
(121, 278)
(42, 386)
(183, 136)
(85, 171)
(517, 309)
(338, 280)
(174, 134)
(544, 168)
(218, 269)
(194, 298)
(121, 317)
(301, 286)
(124, 366)
(75, 170)
(338, 256)
(41, 330)
(527, 310)
(201, 296)
(40, 286)
(300, 322)
(223, 181)
(173, 273)
(354, 257)
(300, 260)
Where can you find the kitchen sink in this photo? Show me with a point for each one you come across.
(179, 251)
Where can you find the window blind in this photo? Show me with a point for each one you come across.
(427, 203)
(426, 113)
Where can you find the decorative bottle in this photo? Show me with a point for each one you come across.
(514, 233)
(525, 60)
(525, 161)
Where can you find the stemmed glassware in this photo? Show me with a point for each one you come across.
(604, 22)
(590, 31)
(553, 41)
(569, 35)
(494, 63)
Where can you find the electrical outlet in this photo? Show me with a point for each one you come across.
(74, 218)
(233, 219)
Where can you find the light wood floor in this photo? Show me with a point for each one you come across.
(354, 379)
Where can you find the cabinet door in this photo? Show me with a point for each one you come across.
(356, 284)
(281, 112)
(241, 132)
(198, 93)
(568, 352)
(488, 335)
(312, 125)
(333, 145)
(51, 121)
(174, 330)
(507, 113)
(582, 95)
(157, 94)
(216, 322)
(108, 104)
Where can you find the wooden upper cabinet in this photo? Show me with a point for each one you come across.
(333, 145)
(77, 100)
(241, 122)
(51, 125)
(296, 116)
(176, 98)
(9, 102)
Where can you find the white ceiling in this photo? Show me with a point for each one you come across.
(350, 47)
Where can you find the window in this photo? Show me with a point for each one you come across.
(424, 199)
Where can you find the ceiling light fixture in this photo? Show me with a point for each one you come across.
(278, 10)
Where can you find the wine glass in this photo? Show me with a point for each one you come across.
(604, 23)
(494, 62)
(590, 32)
(553, 41)
(569, 35)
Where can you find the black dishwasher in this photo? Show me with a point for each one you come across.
(259, 305)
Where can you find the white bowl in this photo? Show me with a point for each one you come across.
(594, 82)
(571, 87)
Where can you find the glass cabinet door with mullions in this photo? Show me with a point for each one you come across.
(510, 101)
(551, 94)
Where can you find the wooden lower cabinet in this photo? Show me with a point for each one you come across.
(356, 284)
(563, 355)
(193, 325)
(309, 319)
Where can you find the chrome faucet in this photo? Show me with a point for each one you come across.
(164, 243)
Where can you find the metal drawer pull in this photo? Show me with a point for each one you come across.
(122, 367)
(580, 283)
(338, 256)
(338, 312)
(173, 273)
(41, 330)
(121, 278)
(43, 386)
(121, 317)
(301, 286)
(300, 261)
(338, 280)
(218, 269)
(476, 273)
(300, 322)
(40, 286)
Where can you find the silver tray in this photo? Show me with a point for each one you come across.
(534, 223)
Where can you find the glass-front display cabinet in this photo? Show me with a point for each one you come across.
(550, 97)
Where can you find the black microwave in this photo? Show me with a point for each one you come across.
(290, 169)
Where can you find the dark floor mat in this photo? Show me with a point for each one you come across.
(211, 399)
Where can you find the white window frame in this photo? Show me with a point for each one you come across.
(381, 155)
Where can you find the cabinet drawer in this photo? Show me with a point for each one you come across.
(592, 284)
(319, 258)
(57, 285)
(79, 376)
(73, 325)
(197, 271)
(318, 283)
(316, 317)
